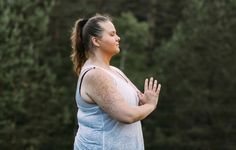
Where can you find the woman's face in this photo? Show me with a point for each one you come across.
(109, 42)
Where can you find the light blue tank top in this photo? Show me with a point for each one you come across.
(98, 131)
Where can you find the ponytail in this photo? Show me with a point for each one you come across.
(81, 35)
(78, 55)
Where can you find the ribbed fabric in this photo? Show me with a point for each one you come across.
(97, 130)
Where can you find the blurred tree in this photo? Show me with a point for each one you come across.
(133, 36)
(162, 17)
(32, 116)
(190, 48)
(197, 110)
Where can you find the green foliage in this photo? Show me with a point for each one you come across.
(198, 71)
(193, 55)
(164, 16)
(30, 98)
(133, 42)
(132, 32)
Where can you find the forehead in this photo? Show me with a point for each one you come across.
(107, 26)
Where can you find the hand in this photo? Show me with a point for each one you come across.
(151, 92)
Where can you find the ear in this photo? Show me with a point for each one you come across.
(95, 41)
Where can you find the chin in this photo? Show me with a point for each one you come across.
(115, 51)
(118, 50)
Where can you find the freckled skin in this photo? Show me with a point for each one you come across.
(103, 92)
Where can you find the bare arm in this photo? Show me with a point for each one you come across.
(102, 89)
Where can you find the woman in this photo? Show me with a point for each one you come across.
(110, 107)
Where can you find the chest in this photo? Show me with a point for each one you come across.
(127, 91)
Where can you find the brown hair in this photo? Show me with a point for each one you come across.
(81, 35)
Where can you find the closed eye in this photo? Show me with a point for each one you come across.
(113, 33)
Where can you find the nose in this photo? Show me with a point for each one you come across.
(118, 38)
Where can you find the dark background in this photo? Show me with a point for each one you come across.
(188, 45)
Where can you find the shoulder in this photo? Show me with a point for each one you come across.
(97, 77)
(100, 86)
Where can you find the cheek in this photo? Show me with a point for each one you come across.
(109, 42)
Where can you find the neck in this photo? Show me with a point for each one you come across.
(100, 60)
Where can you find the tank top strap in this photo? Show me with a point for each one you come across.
(83, 72)
(95, 66)
(124, 76)
(85, 69)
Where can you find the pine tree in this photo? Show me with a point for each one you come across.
(31, 114)
(198, 71)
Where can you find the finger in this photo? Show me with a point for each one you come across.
(140, 96)
(146, 85)
(155, 86)
(158, 89)
(150, 83)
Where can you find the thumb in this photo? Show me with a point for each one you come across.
(140, 95)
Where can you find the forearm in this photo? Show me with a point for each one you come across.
(141, 112)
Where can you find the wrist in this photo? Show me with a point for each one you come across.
(151, 106)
